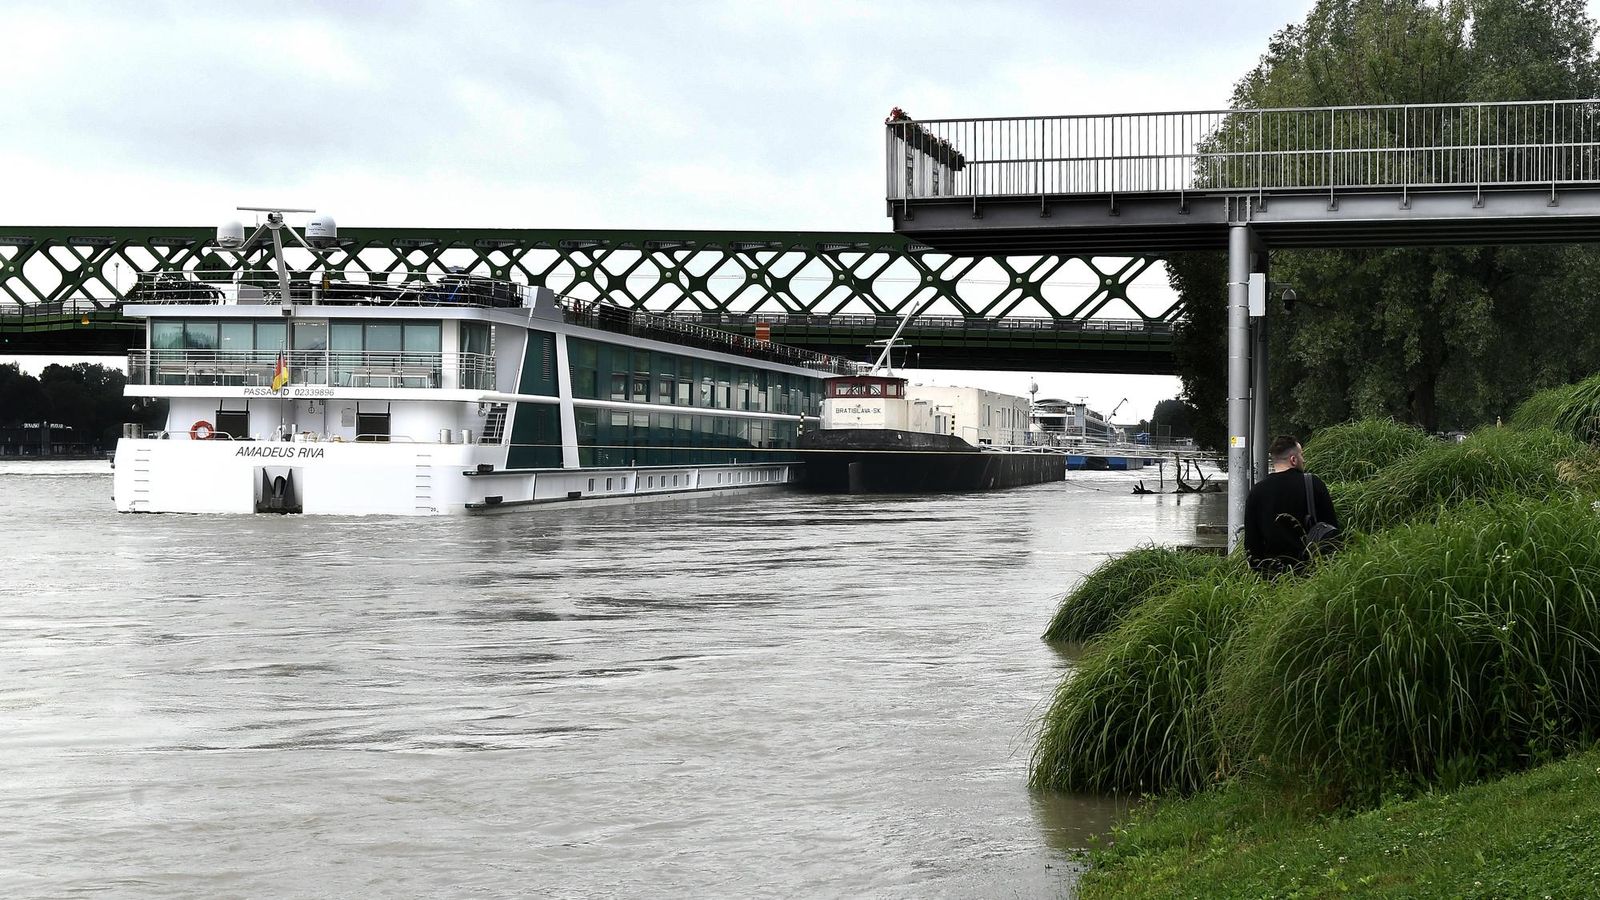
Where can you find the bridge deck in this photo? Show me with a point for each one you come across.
(1324, 177)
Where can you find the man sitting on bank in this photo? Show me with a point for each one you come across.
(1276, 513)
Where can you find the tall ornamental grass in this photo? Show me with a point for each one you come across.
(1579, 411)
(1543, 409)
(1136, 715)
(1119, 585)
(1493, 462)
(1356, 451)
(1439, 652)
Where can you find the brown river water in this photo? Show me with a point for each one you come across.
(773, 695)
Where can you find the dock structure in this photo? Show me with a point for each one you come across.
(1248, 181)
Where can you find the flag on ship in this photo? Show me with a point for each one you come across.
(280, 374)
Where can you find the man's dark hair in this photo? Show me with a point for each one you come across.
(1282, 446)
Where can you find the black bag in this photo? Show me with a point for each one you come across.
(1321, 537)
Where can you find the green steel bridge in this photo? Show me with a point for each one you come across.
(61, 288)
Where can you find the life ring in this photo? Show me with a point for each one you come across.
(201, 431)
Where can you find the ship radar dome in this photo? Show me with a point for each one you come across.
(230, 234)
(322, 229)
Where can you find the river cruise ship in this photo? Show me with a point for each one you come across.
(441, 395)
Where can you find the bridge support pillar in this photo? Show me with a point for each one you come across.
(1244, 256)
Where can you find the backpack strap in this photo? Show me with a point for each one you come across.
(1311, 502)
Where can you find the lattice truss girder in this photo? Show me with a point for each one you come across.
(817, 274)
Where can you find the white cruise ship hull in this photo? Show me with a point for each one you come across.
(397, 479)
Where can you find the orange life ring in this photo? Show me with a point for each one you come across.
(201, 431)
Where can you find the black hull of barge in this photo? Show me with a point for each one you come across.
(874, 461)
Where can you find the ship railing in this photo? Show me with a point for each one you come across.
(641, 323)
(321, 368)
(923, 322)
(246, 287)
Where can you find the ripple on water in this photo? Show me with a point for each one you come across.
(781, 695)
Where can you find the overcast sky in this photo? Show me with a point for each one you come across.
(738, 115)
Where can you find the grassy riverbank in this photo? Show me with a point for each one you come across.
(1535, 834)
(1308, 736)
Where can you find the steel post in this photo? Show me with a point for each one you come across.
(1238, 379)
(1259, 438)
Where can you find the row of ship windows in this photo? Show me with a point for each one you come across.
(610, 372)
(615, 483)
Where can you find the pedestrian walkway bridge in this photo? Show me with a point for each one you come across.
(1318, 177)
(1250, 181)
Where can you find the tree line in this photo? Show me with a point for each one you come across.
(1439, 337)
(86, 397)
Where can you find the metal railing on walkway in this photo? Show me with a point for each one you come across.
(244, 287)
(319, 368)
(1466, 146)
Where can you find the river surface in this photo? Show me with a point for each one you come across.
(774, 695)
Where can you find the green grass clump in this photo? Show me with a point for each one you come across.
(1120, 584)
(1135, 716)
(1531, 835)
(1491, 463)
(1579, 412)
(1356, 451)
(1430, 654)
(1544, 408)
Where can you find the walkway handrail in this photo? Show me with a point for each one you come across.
(1460, 146)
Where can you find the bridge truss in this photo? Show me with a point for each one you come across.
(60, 287)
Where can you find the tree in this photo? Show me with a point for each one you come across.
(21, 400)
(1421, 335)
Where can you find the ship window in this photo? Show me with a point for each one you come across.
(345, 336)
(166, 335)
(619, 385)
(475, 338)
(591, 485)
(311, 335)
(200, 335)
(270, 336)
(608, 484)
(422, 337)
(384, 337)
(237, 337)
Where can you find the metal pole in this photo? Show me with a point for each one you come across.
(1258, 397)
(1238, 379)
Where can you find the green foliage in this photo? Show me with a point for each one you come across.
(1543, 408)
(1434, 653)
(1136, 715)
(1531, 835)
(1118, 585)
(84, 396)
(1416, 334)
(1579, 414)
(1355, 451)
(1492, 462)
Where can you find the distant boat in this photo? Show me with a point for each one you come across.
(881, 435)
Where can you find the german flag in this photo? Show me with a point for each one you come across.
(280, 374)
